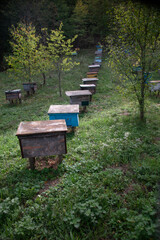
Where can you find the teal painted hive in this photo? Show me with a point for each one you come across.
(70, 113)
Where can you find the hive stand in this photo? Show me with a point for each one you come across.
(42, 138)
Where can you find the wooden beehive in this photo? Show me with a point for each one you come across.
(30, 87)
(81, 97)
(92, 74)
(94, 68)
(90, 87)
(42, 138)
(90, 81)
(70, 113)
(154, 86)
(98, 53)
(13, 95)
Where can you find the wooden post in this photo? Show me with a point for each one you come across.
(60, 158)
(73, 129)
(32, 163)
(84, 108)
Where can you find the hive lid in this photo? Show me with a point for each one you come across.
(36, 127)
(78, 93)
(64, 108)
(13, 91)
(94, 66)
(87, 85)
(90, 79)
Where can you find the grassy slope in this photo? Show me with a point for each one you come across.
(106, 187)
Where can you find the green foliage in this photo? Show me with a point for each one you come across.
(60, 51)
(135, 43)
(24, 51)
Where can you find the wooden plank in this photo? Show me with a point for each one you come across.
(36, 127)
(63, 109)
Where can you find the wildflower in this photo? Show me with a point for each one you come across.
(126, 134)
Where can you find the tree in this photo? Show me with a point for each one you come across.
(24, 51)
(135, 43)
(79, 18)
(60, 51)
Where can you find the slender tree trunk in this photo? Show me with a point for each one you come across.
(141, 101)
(44, 78)
(29, 74)
(59, 80)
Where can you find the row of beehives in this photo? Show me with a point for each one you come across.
(47, 138)
(29, 88)
(12, 95)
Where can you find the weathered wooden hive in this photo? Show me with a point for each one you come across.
(13, 95)
(92, 74)
(94, 68)
(42, 138)
(81, 97)
(30, 87)
(90, 87)
(90, 81)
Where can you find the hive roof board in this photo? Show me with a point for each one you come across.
(37, 127)
(13, 91)
(78, 93)
(89, 79)
(64, 108)
(94, 66)
(88, 85)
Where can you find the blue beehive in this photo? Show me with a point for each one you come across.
(147, 78)
(98, 60)
(68, 112)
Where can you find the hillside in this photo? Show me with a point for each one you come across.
(107, 185)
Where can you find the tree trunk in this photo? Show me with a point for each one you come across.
(32, 163)
(44, 78)
(29, 74)
(141, 110)
(59, 80)
(141, 101)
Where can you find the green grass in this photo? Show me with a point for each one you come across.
(108, 180)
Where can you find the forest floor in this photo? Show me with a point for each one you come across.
(106, 188)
